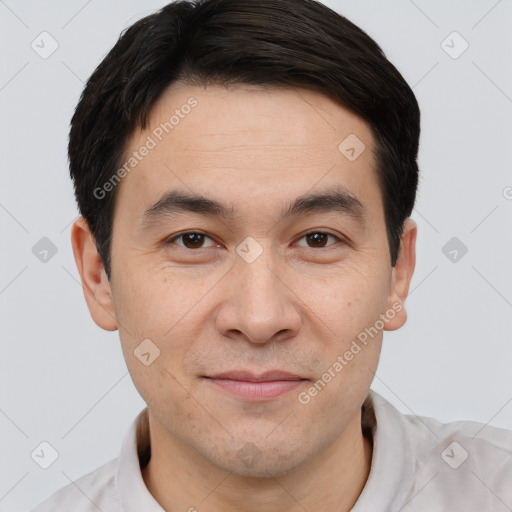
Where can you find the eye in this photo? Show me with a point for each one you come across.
(196, 240)
(191, 240)
(319, 239)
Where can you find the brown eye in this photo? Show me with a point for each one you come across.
(191, 240)
(319, 239)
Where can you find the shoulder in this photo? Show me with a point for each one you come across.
(452, 464)
(90, 493)
(459, 441)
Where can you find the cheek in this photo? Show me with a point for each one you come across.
(168, 311)
(156, 304)
(346, 310)
(164, 392)
(343, 383)
(347, 302)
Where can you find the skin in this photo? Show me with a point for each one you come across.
(296, 308)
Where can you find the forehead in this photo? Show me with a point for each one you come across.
(249, 143)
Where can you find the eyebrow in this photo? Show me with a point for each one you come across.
(336, 199)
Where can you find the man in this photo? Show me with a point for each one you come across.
(245, 173)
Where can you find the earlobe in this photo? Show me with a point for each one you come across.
(402, 275)
(95, 284)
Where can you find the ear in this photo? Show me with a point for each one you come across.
(95, 284)
(401, 276)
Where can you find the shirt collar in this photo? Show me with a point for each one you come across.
(135, 450)
(392, 465)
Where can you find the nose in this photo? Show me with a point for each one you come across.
(259, 304)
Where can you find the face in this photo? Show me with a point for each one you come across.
(226, 257)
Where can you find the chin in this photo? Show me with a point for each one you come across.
(272, 461)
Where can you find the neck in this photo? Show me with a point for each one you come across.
(179, 479)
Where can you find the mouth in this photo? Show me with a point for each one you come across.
(252, 387)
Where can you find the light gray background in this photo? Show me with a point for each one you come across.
(64, 380)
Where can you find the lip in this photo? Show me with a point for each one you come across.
(247, 376)
(252, 387)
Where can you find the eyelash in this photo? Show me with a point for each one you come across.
(181, 235)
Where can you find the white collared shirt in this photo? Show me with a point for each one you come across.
(418, 465)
